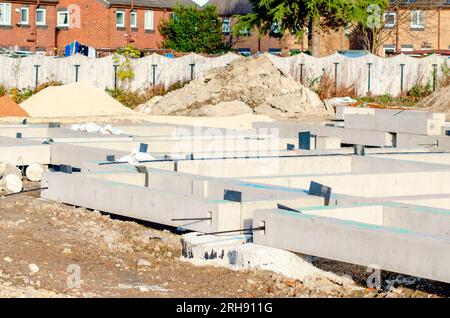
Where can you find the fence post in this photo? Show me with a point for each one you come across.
(301, 72)
(115, 75)
(369, 65)
(335, 76)
(154, 74)
(192, 65)
(36, 68)
(434, 76)
(402, 68)
(77, 66)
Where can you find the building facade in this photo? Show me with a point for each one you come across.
(417, 26)
(48, 26)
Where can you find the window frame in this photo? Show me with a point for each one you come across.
(123, 15)
(27, 22)
(135, 25)
(147, 25)
(417, 26)
(390, 25)
(8, 20)
(57, 19)
(44, 12)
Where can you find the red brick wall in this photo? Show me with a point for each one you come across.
(13, 35)
(98, 27)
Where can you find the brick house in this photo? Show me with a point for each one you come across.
(47, 26)
(409, 25)
(417, 25)
(252, 42)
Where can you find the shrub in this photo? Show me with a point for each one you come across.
(123, 58)
(19, 95)
(419, 91)
(3, 90)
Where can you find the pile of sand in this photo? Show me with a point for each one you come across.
(75, 99)
(250, 85)
(438, 102)
(9, 108)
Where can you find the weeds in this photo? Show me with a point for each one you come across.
(21, 94)
(134, 98)
(327, 88)
(45, 85)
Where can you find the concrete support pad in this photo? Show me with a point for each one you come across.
(237, 253)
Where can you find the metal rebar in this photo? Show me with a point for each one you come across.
(192, 219)
(261, 228)
(24, 191)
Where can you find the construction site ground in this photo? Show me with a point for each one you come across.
(42, 241)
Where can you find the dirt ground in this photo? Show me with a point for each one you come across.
(48, 249)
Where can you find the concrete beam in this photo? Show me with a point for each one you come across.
(394, 249)
(141, 203)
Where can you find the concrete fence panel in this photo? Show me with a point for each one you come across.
(368, 73)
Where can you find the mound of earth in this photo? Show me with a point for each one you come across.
(246, 84)
(75, 99)
(439, 101)
(9, 108)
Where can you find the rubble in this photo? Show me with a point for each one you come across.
(255, 83)
(438, 101)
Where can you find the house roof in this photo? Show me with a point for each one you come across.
(151, 3)
(420, 3)
(231, 7)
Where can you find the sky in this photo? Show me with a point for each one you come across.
(201, 2)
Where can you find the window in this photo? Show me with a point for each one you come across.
(389, 19)
(40, 16)
(24, 16)
(275, 51)
(133, 19)
(245, 32)
(226, 25)
(388, 48)
(5, 13)
(120, 19)
(407, 48)
(275, 28)
(417, 19)
(245, 51)
(63, 18)
(148, 20)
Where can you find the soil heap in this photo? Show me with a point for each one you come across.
(246, 85)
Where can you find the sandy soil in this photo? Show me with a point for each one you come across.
(43, 243)
(232, 122)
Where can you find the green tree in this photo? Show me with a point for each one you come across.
(294, 16)
(191, 29)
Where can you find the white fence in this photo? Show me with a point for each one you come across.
(385, 73)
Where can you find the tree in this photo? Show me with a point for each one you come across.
(191, 29)
(373, 33)
(295, 16)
